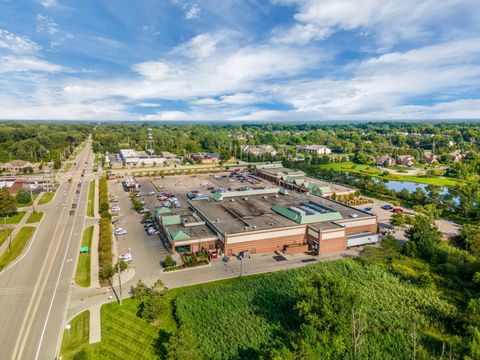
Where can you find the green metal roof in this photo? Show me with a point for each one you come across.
(179, 235)
(162, 210)
(171, 220)
(217, 196)
(289, 214)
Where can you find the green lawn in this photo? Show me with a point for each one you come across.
(15, 219)
(91, 197)
(82, 276)
(68, 166)
(4, 235)
(18, 244)
(373, 171)
(35, 217)
(75, 339)
(124, 335)
(46, 198)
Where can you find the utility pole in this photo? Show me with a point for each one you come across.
(119, 281)
(31, 197)
(241, 265)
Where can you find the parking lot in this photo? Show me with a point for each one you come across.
(146, 251)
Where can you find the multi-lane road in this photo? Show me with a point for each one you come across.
(34, 291)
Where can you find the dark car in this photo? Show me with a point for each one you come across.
(387, 207)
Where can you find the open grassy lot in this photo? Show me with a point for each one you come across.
(91, 196)
(15, 219)
(373, 171)
(46, 198)
(18, 244)
(240, 318)
(35, 217)
(4, 233)
(82, 275)
(75, 339)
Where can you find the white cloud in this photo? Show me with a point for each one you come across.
(148, 105)
(389, 20)
(46, 24)
(202, 45)
(193, 12)
(17, 44)
(26, 64)
(49, 3)
(301, 34)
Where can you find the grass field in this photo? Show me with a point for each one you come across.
(75, 339)
(373, 171)
(46, 198)
(18, 244)
(4, 233)
(240, 318)
(91, 197)
(15, 219)
(82, 275)
(35, 217)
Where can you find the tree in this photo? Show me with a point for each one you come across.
(471, 237)
(183, 345)
(122, 265)
(57, 164)
(152, 306)
(398, 220)
(23, 197)
(7, 203)
(424, 236)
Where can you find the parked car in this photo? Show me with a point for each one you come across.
(397, 210)
(367, 209)
(151, 193)
(126, 257)
(123, 232)
(387, 207)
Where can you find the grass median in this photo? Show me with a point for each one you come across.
(75, 339)
(18, 244)
(35, 217)
(4, 234)
(82, 275)
(91, 197)
(46, 198)
(14, 219)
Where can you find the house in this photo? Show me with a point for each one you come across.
(314, 149)
(206, 158)
(259, 150)
(405, 160)
(385, 161)
(457, 156)
(430, 158)
(18, 165)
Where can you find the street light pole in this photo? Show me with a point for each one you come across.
(119, 281)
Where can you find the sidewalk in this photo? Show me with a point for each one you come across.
(94, 283)
(16, 229)
(95, 324)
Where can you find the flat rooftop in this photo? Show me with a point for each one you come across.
(195, 232)
(256, 212)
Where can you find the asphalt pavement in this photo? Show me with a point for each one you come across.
(34, 292)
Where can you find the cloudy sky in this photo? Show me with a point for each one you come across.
(275, 60)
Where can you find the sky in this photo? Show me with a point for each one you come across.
(243, 60)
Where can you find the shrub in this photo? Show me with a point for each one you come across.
(23, 197)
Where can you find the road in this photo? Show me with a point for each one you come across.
(34, 292)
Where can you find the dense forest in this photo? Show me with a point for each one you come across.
(40, 142)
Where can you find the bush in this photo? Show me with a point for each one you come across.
(105, 255)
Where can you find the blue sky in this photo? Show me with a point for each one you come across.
(273, 60)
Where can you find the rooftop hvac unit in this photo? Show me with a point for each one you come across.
(217, 220)
(354, 215)
(276, 196)
(232, 200)
(246, 199)
(264, 197)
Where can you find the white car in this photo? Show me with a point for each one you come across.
(64, 204)
(151, 193)
(64, 193)
(126, 257)
(115, 208)
(123, 232)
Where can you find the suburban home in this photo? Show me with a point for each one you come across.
(314, 149)
(405, 160)
(457, 156)
(385, 161)
(17, 165)
(258, 150)
(206, 158)
(430, 158)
